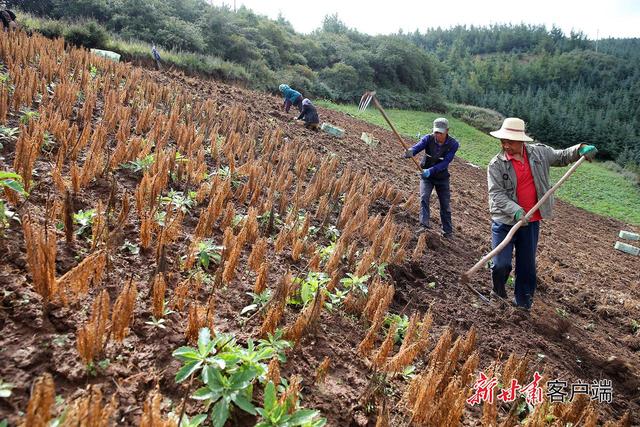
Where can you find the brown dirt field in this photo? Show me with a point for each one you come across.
(579, 328)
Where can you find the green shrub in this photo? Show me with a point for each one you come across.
(89, 34)
(480, 118)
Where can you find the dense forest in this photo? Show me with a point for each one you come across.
(569, 89)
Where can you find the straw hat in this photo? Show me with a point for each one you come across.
(512, 129)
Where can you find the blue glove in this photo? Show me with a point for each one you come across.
(426, 173)
(588, 151)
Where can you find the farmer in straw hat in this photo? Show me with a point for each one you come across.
(517, 178)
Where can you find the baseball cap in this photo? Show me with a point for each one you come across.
(441, 125)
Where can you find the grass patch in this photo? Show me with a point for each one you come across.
(592, 187)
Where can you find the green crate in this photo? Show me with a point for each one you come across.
(332, 130)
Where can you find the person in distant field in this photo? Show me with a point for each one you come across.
(291, 97)
(310, 115)
(8, 20)
(156, 57)
(517, 178)
(439, 149)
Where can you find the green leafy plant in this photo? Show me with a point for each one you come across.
(5, 389)
(326, 251)
(131, 247)
(402, 323)
(178, 200)
(195, 421)
(332, 233)
(336, 298)
(84, 219)
(285, 413)
(13, 181)
(227, 370)
(276, 344)
(9, 134)
(208, 252)
(308, 287)
(259, 301)
(264, 219)
(139, 165)
(355, 282)
(156, 323)
(27, 115)
(635, 326)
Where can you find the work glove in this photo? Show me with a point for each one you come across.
(408, 154)
(588, 151)
(426, 173)
(521, 214)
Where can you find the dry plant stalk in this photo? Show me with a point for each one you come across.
(276, 306)
(420, 247)
(41, 402)
(230, 265)
(306, 319)
(258, 251)
(366, 345)
(261, 280)
(291, 394)
(123, 309)
(383, 414)
(41, 258)
(469, 367)
(88, 411)
(91, 338)
(273, 371)
(380, 357)
(408, 352)
(298, 248)
(76, 281)
(439, 353)
(159, 288)
(322, 370)
(152, 415)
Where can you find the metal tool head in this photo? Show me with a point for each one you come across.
(365, 100)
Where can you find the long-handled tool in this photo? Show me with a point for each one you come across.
(364, 103)
(467, 275)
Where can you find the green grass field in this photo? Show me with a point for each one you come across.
(592, 187)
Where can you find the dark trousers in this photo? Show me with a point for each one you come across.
(443, 191)
(296, 103)
(525, 241)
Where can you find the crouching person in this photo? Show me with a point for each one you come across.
(310, 115)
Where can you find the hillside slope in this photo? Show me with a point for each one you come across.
(580, 326)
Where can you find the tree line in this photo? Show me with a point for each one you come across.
(568, 88)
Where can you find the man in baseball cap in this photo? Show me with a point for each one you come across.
(439, 149)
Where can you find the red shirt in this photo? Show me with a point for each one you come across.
(525, 188)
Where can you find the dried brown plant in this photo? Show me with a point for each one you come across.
(40, 243)
(263, 277)
(123, 309)
(151, 413)
(273, 371)
(322, 370)
(380, 357)
(88, 410)
(257, 254)
(159, 289)
(79, 279)
(91, 338)
(420, 248)
(41, 403)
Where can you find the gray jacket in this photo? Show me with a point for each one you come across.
(503, 202)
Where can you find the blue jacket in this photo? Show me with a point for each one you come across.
(436, 157)
(290, 94)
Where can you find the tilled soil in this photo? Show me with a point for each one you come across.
(580, 327)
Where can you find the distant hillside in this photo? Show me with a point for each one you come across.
(568, 88)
